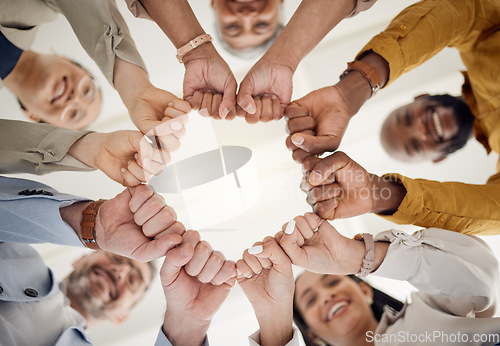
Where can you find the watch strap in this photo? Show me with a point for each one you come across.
(369, 259)
(196, 42)
(89, 216)
(369, 72)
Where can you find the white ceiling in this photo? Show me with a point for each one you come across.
(280, 198)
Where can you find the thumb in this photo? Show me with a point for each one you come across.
(289, 244)
(228, 99)
(245, 99)
(272, 251)
(175, 259)
(315, 144)
(156, 248)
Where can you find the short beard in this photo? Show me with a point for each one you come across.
(78, 285)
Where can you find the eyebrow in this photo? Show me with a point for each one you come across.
(309, 289)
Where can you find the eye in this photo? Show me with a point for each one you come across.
(407, 118)
(415, 145)
(333, 282)
(134, 280)
(233, 28)
(311, 300)
(73, 114)
(261, 25)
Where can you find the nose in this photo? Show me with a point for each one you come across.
(246, 10)
(120, 272)
(420, 130)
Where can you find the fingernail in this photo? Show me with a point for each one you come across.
(170, 104)
(258, 272)
(184, 251)
(273, 97)
(290, 227)
(136, 155)
(175, 125)
(249, 277)
(298, 140)
(315, 176)
(146, 163)
(255, 250)
(224, 113)
(250, 108)
(123, 170)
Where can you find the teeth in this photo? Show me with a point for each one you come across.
(437, 124)
(336, 309)
(61, 90)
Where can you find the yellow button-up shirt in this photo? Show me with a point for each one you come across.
(414, 36)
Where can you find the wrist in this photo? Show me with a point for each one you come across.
(387, 195)
(205, 51)
(354, 90)
(282, 56)
(72, 215)
(86, 148)
(277, 328)
(185, 331)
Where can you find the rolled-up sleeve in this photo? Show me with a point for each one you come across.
(362, 5)
(37, 148)
(456, 272)
(455, 206)
(102, 32)
(137, 9)
(421, 31)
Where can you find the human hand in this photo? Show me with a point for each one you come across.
(338, 187)
(266, 278)
(160, 114)
(313, 244)
(317, 122)
(196, 280)
(137, 224)
(209, 84)
(265, 91)
(124, 156)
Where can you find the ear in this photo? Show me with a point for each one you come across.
(31, 115)
(120, 318)
(439, 159)
(78, 261)
(421, 96)
(367, 289)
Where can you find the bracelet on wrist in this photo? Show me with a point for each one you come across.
(369, 72)
(195, 42)
(369, 259)
(89, 216)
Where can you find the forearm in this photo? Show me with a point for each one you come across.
(86, 148)
(130, 81)
(355, 88)
(175, 18)
(312, 20)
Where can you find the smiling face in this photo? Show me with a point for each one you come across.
(61, 93)
(106, 286)
(422, 130)
(246, 23)
(334, 307)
